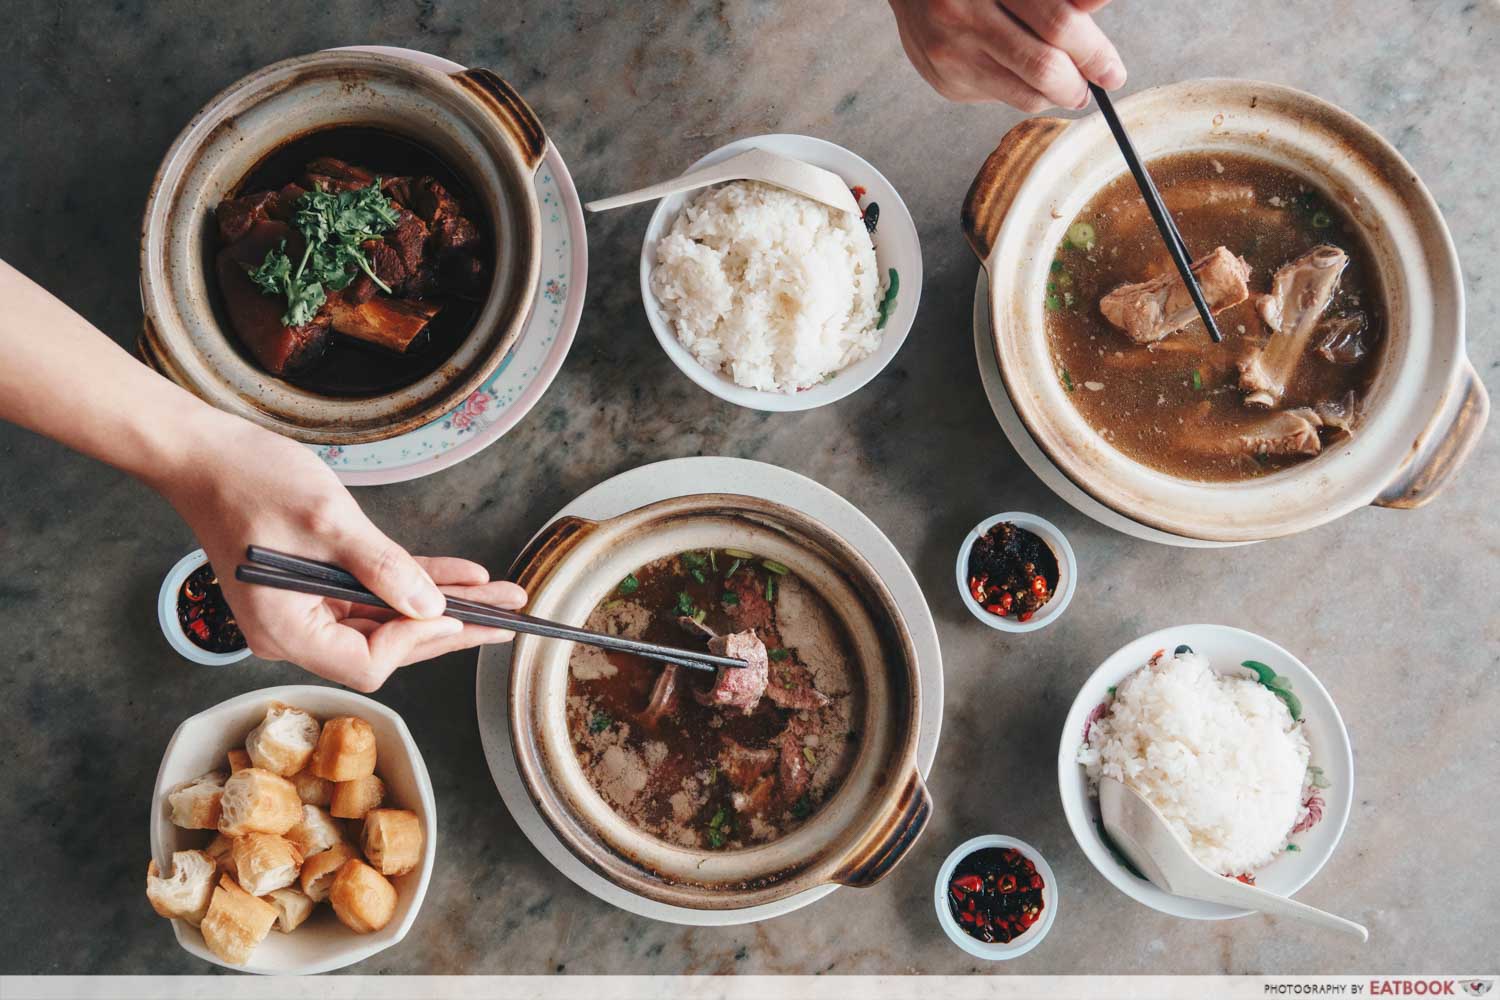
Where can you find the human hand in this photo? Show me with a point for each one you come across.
(243, 485)
(1031, 54)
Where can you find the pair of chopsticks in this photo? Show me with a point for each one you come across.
(268, 568)
(1159, 213)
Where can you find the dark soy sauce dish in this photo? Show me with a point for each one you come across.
(438, 260)
(1176, 401)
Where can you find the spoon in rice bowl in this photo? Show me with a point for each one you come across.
(1143, 835)
(820, 185)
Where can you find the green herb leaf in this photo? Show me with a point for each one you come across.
(698, 575)
(685, 604)
(1293, 847)
(599, 723)
(777, 654)
(629, 585)
(694, 560)
(715, 838)
(802, 808)
(1057, 267)
(730, 598)
(1067, 380)
(714, 823)
(889, 302)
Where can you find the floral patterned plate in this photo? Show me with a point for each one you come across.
(1327, 794)
(522, 378)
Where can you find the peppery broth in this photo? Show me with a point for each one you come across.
(1151, 402)
(686, 792)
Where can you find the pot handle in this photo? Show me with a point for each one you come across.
(872, 860)
(513, 113)
(1444, 446)
(1002, 175)
(556, 541)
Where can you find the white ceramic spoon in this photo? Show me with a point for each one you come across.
(1143, 835)
(755, 165)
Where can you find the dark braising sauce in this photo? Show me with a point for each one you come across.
(711, 777)
(1150, 401)
(350, 367)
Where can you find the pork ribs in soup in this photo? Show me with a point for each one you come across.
(1293, 288)
(716, 761)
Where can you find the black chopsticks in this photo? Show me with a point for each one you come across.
(268, 568)
(1158, 208)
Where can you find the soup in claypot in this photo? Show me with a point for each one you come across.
(1294, 291)
(716, 761)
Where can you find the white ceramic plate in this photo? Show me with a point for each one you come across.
(896, 246)
(525, 373)
(1225, 648)
(682, 477)
(322, 943)
(1039, 463)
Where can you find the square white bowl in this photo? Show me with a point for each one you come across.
(321, 944)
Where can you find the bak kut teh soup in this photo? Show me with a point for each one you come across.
(1294, 291)
(717, 762)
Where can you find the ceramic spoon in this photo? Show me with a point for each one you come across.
(1143, 835)
(755, 165)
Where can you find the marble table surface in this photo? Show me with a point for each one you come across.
(1395, 611)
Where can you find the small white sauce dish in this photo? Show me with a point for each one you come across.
(322, 944)
(171, 626)
(1017, 946)
(1225, 648)
(896, 246)
(1067, 572)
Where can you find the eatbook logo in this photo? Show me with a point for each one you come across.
(1476, 987)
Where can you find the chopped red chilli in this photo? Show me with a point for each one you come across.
(995, 894)
(205, 616)
(1012, 572)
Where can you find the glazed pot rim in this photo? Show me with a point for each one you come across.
(1422, 377)
(850, 857)
(490, 137)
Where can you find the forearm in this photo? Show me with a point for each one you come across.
(63, 378)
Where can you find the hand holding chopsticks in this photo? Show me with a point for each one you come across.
(308, 576)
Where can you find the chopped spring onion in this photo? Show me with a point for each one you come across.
(1197, 379)
(1321, 220)
(770, 588)
(1082, 235)
(812, 758)
(739, 553)
(889, 302)
(629, 585)
(774, 567)
(1067, 380)
(713, 563)
(732, 569)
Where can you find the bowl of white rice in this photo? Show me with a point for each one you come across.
(773, 301)
(1232, 738)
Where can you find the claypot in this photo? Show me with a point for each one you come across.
(1426, 408)
(472, 120)
(854, 839)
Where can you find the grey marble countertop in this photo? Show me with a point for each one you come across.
(1395, 611)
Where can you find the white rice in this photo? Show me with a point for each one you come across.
(1219, 755)
(773, 289)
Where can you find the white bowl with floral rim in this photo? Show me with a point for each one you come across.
(1328, 791)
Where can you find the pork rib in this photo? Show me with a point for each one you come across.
(1150, 310)
(1300, 293)
(737, 687)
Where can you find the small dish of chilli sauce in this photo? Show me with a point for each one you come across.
(205, 616)
(995, 894)
(1012, 572)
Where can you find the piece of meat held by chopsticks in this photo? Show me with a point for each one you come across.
(1150, 310)
(736, 687)
(1300, 293)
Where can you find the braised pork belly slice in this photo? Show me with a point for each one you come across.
(255, 316)
(383, 321)
(1150, 310)
(1299, 295)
